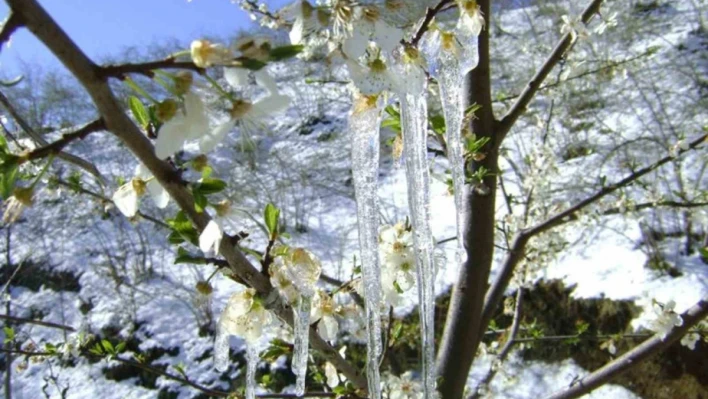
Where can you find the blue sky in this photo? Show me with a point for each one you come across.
(103, 27)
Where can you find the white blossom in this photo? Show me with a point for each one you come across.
(367, 26)
(372, 79)
(204, 53)
(471, 17)
(681, 145)
(575, 27)
(397, 262)
(127, 196)
(331, 374)
(211, 236)
(324, 310)
(403, 387)
(606, 23)
(666, 319)
(188, 124)
(689, 340)
(244, 316)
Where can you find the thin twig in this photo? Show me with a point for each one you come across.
(9, 26)
(73, 159)
(631, 359)
(37, 322)
(147, 68)
(496, 291)
(536, 81)
(57, 146)
(429, 15)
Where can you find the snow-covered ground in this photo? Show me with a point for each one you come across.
(302, 164)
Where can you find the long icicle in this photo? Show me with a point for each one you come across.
(302, 331)
(450, 81)
(364, 124)
(251, 364)
(414, 121)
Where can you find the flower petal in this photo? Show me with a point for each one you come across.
(387, 36)
(158, 194)
(355, 46)
(266, 81)
(211, 140)
(210, 237)
(236, 77)
(171, 137)
(328, 328)
(126, 200)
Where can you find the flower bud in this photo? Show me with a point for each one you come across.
(183, 82)
(166, 110)
(204, 288)
(200, 162)
(24, 195)
(204, 53)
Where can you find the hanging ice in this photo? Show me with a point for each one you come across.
(450, 83)
(303, 269)
(302, 331)
(251, 364)
(454, 61)
(364, 123)
(414, 121)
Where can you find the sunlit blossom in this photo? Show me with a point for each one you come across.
(189, 123)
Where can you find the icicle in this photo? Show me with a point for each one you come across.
(364, 123)
(251, 364)
(414, 121)
(302, 334)
(450, 80)
(221, 345)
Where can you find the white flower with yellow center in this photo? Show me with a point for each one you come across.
(308, 21)
(397, 261)
(471, 18)
(324, 310)
(205, 53)
(190, 123)
(666, 319)
(127, 196)
(574, 27)
(689, 340)
(301, 267)
(211, 236)
(410, 71)
(372, 79)
(403, 387)
(244, 316)
(368, 25)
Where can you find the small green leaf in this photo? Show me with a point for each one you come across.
(183, 230)
(271, 216)
(9, 334)
(285, 52)
(120, 347)
(108, 346)
(7, 181)
(200, 201)
(210, 186)
(438, 124)
(139, 112)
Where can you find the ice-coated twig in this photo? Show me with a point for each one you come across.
(301, 342)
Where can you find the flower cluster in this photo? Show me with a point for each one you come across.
(397, 261)
(244, 316)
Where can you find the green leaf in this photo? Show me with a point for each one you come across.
(285, 52)
(271, 216)
(438, 124)
(210, 186)
(108, 346)
(182, 230)
(139, 111)
(249, 63)
(200, 201)
(7, 181)
(50, 348)
(120, 347)
(9, 334)
(704, 253)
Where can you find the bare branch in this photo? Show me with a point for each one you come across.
(117, 122)
(66, 139)
(147, 68)
(496, 291)
(429, 15)
(73, 159)
(8, 27)
(37, 322)
(632, 358)
(536, 81)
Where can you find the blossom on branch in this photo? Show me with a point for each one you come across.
(205, 53)
(471, 17)
(190, 123)
(324, 310)
(666, 319)
(127, 196)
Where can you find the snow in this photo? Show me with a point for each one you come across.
(302, 164)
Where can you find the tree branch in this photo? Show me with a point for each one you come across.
(536, 81)
(117, 122)
(37, 322)
(58, 146)
(429, 15)
(146, 68)
(73, 159)
(496, 291)
(8, 27)
(637, 355)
